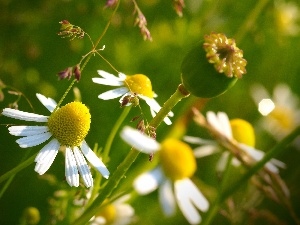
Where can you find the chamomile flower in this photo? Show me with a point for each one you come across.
(117, 212)
(171, 177)
(237, 129)
(67, 127)
(138, 84)
(281, 112)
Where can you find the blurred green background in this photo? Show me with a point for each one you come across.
(31, 54)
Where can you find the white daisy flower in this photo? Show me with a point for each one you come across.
(281, 110)
(137, 84)
(67, 127)
(237, 129)
(172, 177)
(116, 213)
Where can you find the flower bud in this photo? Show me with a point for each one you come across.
(213, 66)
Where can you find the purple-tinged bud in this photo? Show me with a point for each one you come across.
(66, 73)
(77, 72)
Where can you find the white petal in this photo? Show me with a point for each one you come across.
(49, 103)
(115, 93)
(222, 162)
(148, 182)
(83, 168)
(205, 150)
(188, 195)
(71, 171)
(110, 76)
(124, 210)
(46, 157)
(108, 82)
(48, 149)
(257, 155)
(94, 159)
(20, 115)
(225, 124)
(155, 107)
(220, 122)
(34, 140)
(27, 130)
(139, 141)
(166, 198)
(99, 220)
(197, 140)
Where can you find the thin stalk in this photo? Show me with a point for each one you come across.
(17, 168)
(113, 133)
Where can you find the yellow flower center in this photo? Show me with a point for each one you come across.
(70, 123)
(108, 212)
(283, 117)
(242, 132)
(177, 159)
(139, 84)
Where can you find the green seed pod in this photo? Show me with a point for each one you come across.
(212, 67)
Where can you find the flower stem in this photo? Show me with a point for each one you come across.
(121, 170)
(179, 94)
(8, 182)
(17, 168)
(113, 133)
(259, 165)
(109, 187)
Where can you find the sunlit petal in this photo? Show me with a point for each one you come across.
(94, 159)
(167, 198)
(71, 171)
(83, 168)
(139, 141)
(188, 196)
(20, 115)
(148, 182)
(27, 130)
(31, 141)
(49, 103)
(115, 93)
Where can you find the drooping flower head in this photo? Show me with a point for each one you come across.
(172, 176)
(68, 126)
(135, 85)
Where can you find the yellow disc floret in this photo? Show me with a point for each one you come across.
(108, 212)
(139, 84)
(243, 132)
(177, 159)
(70, 123)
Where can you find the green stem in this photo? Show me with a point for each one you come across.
(8, 182)
(113, 133)
(17, 168)
(259, 165)
(121, 170)
(179, 94)
(110, 186)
